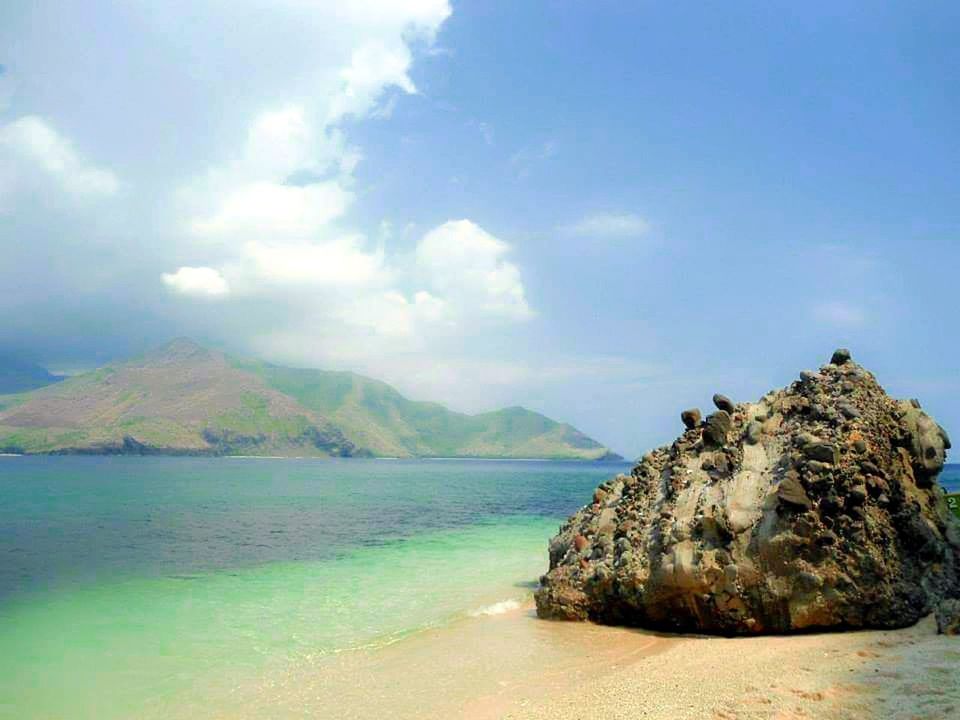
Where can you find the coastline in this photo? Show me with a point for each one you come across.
(190, 453)
(509, 664)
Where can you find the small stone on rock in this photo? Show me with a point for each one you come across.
(792, 493)
(717, 428)
(723, 403)
(849, 411)
(840, 356)
(827, 537)
(691, 418)
(857, 494)
(822, 451)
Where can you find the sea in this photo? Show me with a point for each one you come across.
(152, 587)
(169, 587)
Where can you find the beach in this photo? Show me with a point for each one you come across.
(909, 673)
(512, 665)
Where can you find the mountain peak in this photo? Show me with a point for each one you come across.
(179, 349)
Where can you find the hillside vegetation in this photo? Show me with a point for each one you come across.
(185, 399)
(374, 415)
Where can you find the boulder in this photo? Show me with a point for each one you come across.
(833, 521)
(723, 403)
(691, 418)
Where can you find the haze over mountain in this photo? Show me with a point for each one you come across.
(186, 399)
(18, 375)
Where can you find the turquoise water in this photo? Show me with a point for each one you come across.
(149, 587)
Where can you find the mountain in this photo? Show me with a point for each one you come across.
(377, 417)
(17, 376)
(179, 399)
(185, 399)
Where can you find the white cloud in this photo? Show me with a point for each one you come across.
(31, 149)
(197, 282)
(840, 314)
(372, 68)
(465, 263)
(341, 262)
(612, 226)
(273, 211)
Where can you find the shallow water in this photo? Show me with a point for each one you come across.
(159, 587)
(183, 587)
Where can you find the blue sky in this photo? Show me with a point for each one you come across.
(604, 211)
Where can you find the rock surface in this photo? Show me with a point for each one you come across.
(948, 617)
(815, 508)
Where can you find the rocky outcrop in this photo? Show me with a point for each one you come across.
(815, 508)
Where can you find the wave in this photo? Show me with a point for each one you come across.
(499, 608)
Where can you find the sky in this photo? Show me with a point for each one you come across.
(603, 211)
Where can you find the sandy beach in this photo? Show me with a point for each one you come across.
(512, 665)
(908, 673)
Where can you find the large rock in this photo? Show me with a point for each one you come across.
(790, 514)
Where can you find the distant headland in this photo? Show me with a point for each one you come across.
(185, 399)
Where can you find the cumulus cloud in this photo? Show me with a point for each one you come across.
(465, 263)
(608, 226)
(274, 204)
(275, 212)
(338, 262)
(32, 150)
(254, 205)
(196, 282)
(272, 210)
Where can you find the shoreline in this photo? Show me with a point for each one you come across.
(510, 664)
(225, 456)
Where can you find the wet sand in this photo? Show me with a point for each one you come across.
(512, 665)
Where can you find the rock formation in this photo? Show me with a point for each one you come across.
(815, 508)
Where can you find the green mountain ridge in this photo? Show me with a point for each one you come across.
(185, 399)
